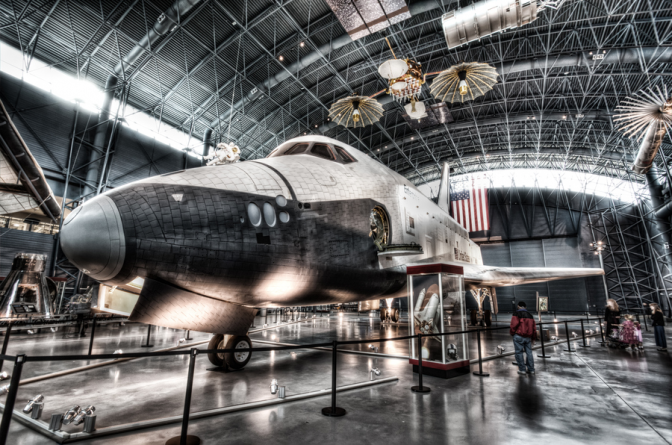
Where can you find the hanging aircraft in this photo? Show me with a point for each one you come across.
(315, 222)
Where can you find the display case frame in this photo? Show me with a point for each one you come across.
(432, 288)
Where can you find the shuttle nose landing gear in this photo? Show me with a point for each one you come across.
(230, 360)
(389, 315)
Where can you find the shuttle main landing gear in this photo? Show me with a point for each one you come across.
(389, 315)
(230, 360)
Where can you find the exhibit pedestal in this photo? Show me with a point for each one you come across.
(444, 371)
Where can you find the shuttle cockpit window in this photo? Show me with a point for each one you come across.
(297, 149)
(322, 151)
(344, 155)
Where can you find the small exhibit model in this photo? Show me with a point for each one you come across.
(223, 154)
(487, 17)
(316, 222)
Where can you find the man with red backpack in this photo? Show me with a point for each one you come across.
(524, 332)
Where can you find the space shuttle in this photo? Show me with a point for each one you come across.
(315, 222)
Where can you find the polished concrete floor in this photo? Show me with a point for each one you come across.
(597, 394)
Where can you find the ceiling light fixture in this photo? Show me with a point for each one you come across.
(281, 58)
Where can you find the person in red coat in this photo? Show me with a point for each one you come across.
(524, 331)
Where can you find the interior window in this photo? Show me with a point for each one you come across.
(345, 156)
(322, 151)
(297, 149)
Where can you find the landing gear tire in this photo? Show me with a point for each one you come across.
(238, 360)
(216, 343)
(383, 314)
(394, 315)
(230, 360)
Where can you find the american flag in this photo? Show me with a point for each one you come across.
(470, 207)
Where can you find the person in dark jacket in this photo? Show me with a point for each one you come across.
(612, 315)
(658, 323)
(524, 331)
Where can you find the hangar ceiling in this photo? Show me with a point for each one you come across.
(219, 68)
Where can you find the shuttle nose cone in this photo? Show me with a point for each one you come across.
(92, 238)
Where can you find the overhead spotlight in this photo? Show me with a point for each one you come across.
(378, 149)
(412, 138)
(374, 371)
(302, 44)
(564, 116)
(315, 125)
(386, 146)
(281, 57)
(604, 51)
(566, 72)
(590, 53)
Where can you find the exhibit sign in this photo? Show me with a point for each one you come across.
(542, 305)
(436, 306)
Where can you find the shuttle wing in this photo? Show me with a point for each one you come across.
(476, 276)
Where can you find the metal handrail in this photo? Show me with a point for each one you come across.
(333, 410)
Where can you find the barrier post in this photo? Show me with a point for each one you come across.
(603, 342)
(5, 342)
(333, 410)
(646, 326)
(421, 389)
(93, 333)
(11, 398)
(569, 345)
(183, 438)
(583, 334)
(543, 350)
(149, 333)
(480, 372)
(186, 337)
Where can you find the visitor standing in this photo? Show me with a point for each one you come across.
(658, 323)
(524, 332)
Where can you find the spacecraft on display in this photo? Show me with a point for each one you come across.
(315, 222)
(223, 154)
(486, 17)
(647, 116)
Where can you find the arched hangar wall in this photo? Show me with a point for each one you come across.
(543, 228)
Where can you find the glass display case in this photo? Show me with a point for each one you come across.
(436, 306)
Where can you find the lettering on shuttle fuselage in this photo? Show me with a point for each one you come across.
(462, 256)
